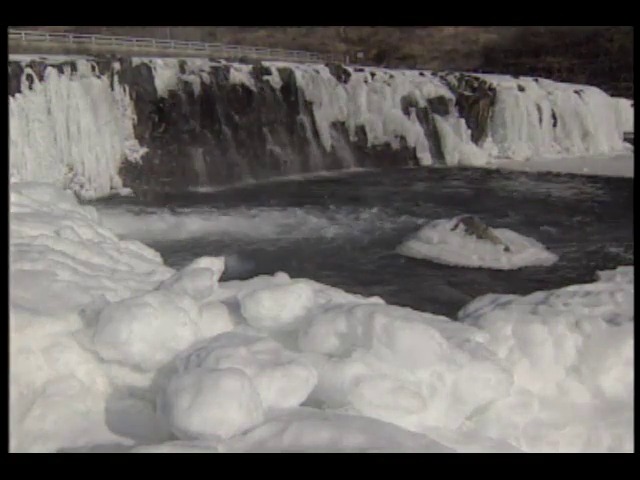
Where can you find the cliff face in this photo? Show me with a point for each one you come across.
(177, 124)
(217, 131)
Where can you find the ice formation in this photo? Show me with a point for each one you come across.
(72, 129)
(539, 117)
(532, 117)
(441, 242)
(75, 129)
(128, 355)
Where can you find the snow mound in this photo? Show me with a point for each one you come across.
(198, 279)
(581, 332)
(214, 319)
(445, 241)
(572, 355)
(61, 246)
(409, 368)
(210, 404)
(277, 307)
(146, 332)
(282, 378)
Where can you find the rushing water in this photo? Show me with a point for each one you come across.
(343, 230)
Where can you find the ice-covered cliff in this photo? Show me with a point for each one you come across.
(96, 124)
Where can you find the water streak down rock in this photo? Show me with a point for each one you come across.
(228, 132)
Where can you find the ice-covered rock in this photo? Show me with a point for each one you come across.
(146, 332)
(571, 351)
(210, 404)
(198, 279)
(214, 319)
(470, 243)
(282, 378)
(277, 307)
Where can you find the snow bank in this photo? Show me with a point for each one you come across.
(572, 356)
(439, 242)
(281, 378)
(63, 264)
(127, 354)
(72, 130)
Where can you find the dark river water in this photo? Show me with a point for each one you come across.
(343, 230)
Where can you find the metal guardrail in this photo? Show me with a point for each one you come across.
(217, 50)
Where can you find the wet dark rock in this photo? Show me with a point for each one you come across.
(15, 78)
(439, 105)
(475, 98)
(539, 110)
(475, 227)
(260, 70)
(424, 115)
(340, 73)
(71, 67)
(38, 67)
